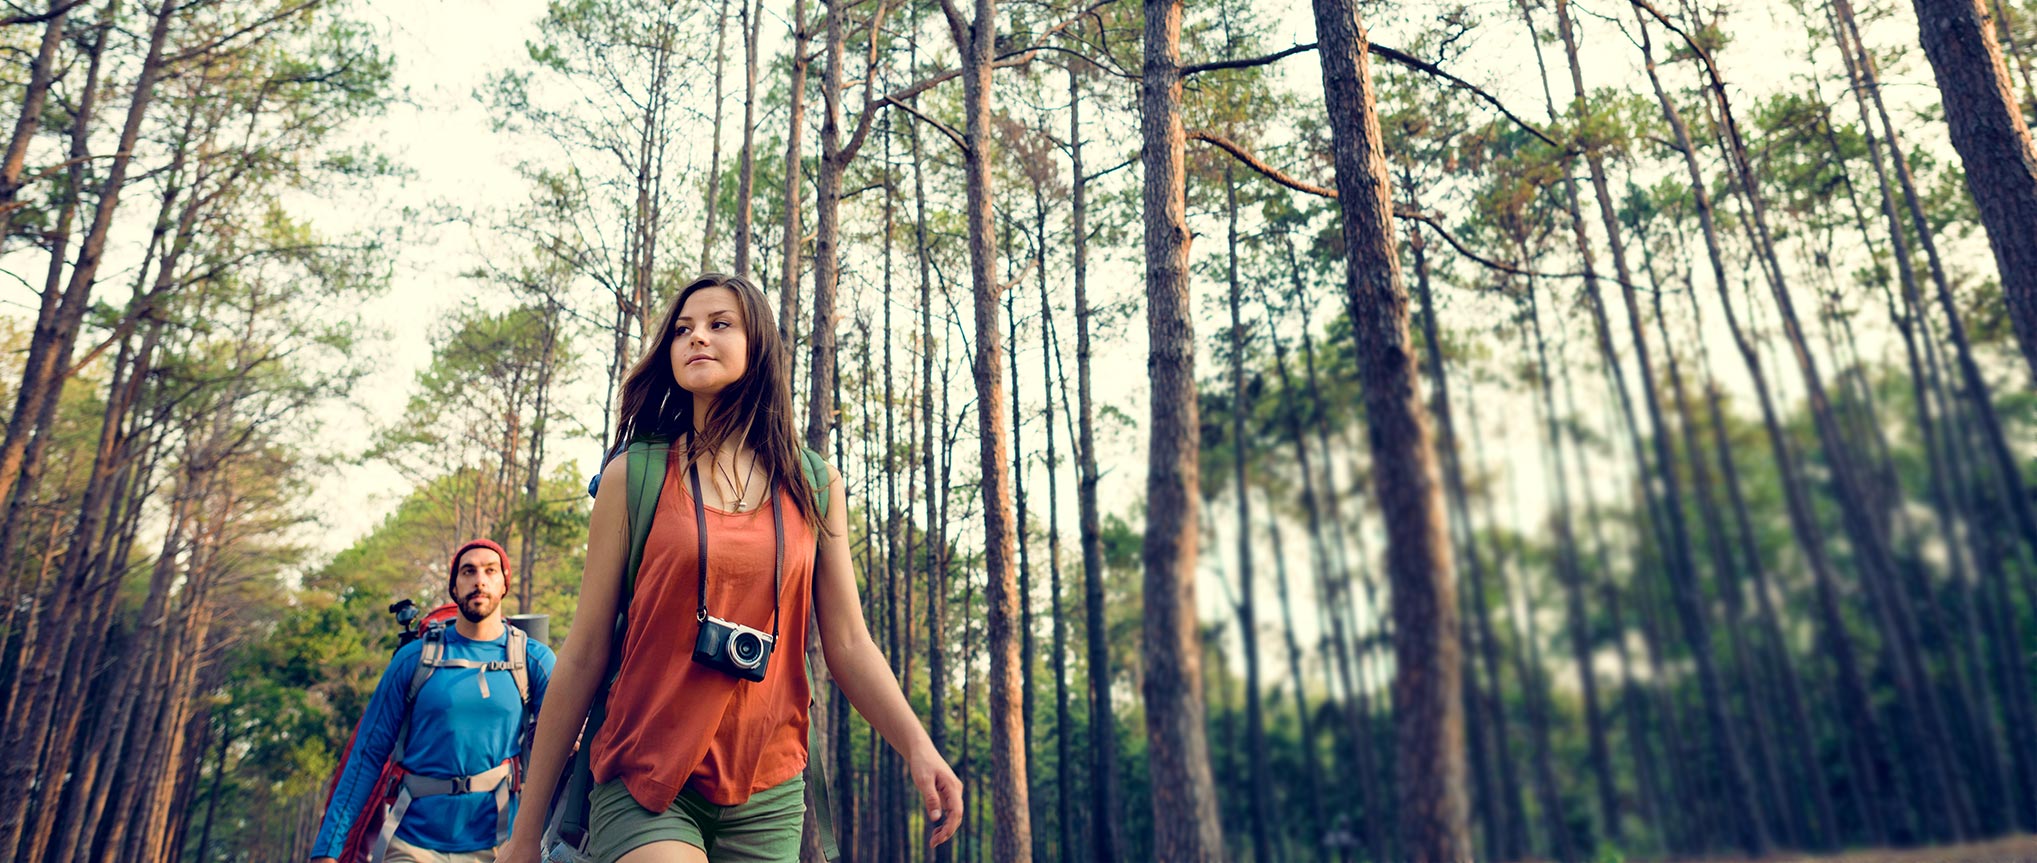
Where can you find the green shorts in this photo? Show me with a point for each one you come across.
(763, 829)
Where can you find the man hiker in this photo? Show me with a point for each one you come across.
(451, 712)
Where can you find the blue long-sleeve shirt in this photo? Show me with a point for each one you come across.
(454, 731)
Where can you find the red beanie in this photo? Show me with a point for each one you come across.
(453, 568)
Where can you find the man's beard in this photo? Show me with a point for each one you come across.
(487, 605)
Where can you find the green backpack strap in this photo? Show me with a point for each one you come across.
(818, 800)
(645, 471)
(647, 459)
(816, 478)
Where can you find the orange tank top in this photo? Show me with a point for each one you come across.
(674, 723)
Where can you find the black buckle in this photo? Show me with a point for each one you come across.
(462, 784)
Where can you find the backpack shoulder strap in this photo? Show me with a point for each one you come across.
(430, 655)
(816, 469)
(819, 802)
(646, 473)
(519, 654)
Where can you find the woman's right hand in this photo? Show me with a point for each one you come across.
(518, 851)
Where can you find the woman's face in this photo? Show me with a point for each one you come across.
(711, 343)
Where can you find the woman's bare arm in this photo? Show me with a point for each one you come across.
(582, 662)
(865, 678)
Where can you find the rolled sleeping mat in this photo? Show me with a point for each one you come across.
(537, 626)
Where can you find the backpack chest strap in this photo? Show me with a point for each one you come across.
(432, 786)
(485, 665)
(499, 779)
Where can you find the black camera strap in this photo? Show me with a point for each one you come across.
(777, 529)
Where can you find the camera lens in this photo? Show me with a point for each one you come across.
(746, 649)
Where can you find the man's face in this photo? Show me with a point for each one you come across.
(478, 584)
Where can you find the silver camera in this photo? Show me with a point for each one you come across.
(734, 648)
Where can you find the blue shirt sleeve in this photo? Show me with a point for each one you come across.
(541, 659)
(373, 740)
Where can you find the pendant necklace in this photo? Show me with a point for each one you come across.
(742, 492)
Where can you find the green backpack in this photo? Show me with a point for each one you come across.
(566, 836)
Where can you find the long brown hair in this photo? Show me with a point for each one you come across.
(756, 408)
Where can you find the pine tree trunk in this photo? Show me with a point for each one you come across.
(1854, 702)
(1012, 839)
(1248, 622)
(721, 37)
(1312, 788)
(746, 180)
(1993, 140)
(936, 547)
(789, 233)
(1103, 798)
(1535, 688)
(40, 74)
(1018, 484)
(1334, 591)
(1185, 823)
(1049, 355)
(895, 833)
(1502, 838)
(827, 209)
(212, 796)
(1428, 712)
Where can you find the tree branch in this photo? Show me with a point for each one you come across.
(1432, 69)
(1114, 168)
(1253, 162)
(939, 126)
(1008, 59)
(207, 47)
(1404, 211)
(1112, 69)
(41, 17)
(1246, 63)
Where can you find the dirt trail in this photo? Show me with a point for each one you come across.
(2015, 849)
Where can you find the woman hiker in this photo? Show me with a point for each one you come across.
(700, 757)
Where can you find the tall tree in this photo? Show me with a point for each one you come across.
(1103, 727)
(1993, 140)
(42, 383)
(1185, 823)
(1248, 622)
(792, 243)
(746, 171)
(721, 34)
(975, 39)
(1428, 707)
